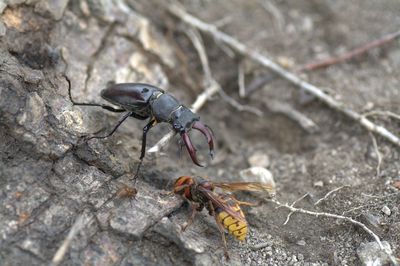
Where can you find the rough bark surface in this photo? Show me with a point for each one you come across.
(49, 176)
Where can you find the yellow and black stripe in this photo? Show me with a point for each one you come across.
(235, 227)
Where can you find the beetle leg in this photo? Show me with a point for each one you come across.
(120, 121)
(143, 151)
(221, 229)
(104, 106)
(207, 133)
(190, 148)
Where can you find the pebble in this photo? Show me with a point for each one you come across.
(386, 210)
(318, 184)
(55, 7)
(301, 243)
(371, 254)
(258, 174)
(3, 5)
(259, 159)
(3, 29)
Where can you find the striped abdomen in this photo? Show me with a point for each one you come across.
(235, 227)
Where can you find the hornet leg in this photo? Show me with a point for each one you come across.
(221, 230)
(191, 218)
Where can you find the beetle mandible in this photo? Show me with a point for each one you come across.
(143, 101)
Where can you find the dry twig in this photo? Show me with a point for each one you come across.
(241, 83)
(258, 82)
(243, 50)
(279, 19)
(197, 41)
(339, 217)
(292, 205)
(357, 208)
(350, 54)
(306, 123)
(382, 113)
(79, 224)
(378, 154)
(212, 86)
(328, 194)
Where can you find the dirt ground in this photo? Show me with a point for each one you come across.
(50, 179)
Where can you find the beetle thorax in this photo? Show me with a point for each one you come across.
(162, 106)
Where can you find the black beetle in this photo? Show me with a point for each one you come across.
(144, 101)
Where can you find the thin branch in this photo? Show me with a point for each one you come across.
(242, 49)
(197, 41)
(306, 123)
(198, 44)
(292, 205)
(381, 196)
(382, 113)
(339, 217)
(328, 194)
(350, 54)
(223, 21)
(378, 154)
(79, 224)
(371, 204)
(241, 82)
(258, 82)
(212, 87)
(279, 19)
(357, 208)
(240, 107)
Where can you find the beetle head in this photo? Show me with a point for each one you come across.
(184, 120)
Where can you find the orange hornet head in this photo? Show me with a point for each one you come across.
(182, 186)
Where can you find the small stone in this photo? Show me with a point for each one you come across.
(372, 220)
(3, 29)
(371, 253)
(301, 243)
(258, 174)
(318, 184)
(386, 210)
(54, 7)
(35, 113)
(368, 106)
(396, 184)
(259, 159)
(3, 5)
(31, 246)
(286, 62)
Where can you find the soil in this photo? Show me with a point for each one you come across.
(49, 177)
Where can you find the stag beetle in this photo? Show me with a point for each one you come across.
(144, 101)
